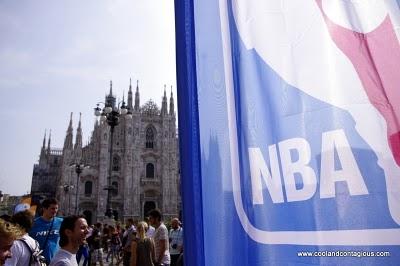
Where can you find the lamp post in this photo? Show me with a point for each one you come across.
(66, 188)
(111, 115)
(78, 170)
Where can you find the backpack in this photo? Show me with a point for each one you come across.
(36, 259)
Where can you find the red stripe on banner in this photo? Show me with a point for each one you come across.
(375, 56)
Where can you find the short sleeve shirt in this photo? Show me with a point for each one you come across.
(64, 258)
(161, 233)
(20, 253)
(176, 238)
(39, 232)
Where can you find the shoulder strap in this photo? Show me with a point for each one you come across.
(29, 248)
(48, 234)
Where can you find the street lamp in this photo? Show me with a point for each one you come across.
(67, 188)
(111, 115)
(78, 170)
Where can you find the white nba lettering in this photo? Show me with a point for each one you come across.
(295, 42)
(308, 180)
(259, 169)
(350, 173)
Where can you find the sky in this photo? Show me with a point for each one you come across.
(58, 57)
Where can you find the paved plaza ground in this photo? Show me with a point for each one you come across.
(109, 263)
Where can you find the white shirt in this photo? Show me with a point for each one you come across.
(64, 258)
(176, 238)
(20, 253)
(150, 231)
(161, 234)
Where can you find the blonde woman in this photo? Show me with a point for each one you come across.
(8, 234)
(142, 247)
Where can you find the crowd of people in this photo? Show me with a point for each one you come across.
(60, 241)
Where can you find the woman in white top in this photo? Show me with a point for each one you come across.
(22, 248)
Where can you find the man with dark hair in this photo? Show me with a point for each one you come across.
(46, 229)
(160, 238)
(73, 232)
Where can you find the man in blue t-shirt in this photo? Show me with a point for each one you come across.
(46, 229)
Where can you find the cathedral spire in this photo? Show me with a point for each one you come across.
(110, 99)
(171, 104)
(164, 110)
(70, 122)
(78, 138)
(130, 100)
(42, 157)
(68, 137)
(137, 97)
(48, 143)
(95, 131)
(44, 140)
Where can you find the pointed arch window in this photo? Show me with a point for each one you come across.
(149, 138)
(88, 188)
(116, 163)
(149, 170)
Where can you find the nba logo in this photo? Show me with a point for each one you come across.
(314, 120)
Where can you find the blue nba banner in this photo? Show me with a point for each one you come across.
(289, 126)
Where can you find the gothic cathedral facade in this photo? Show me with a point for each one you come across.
(144, 164)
